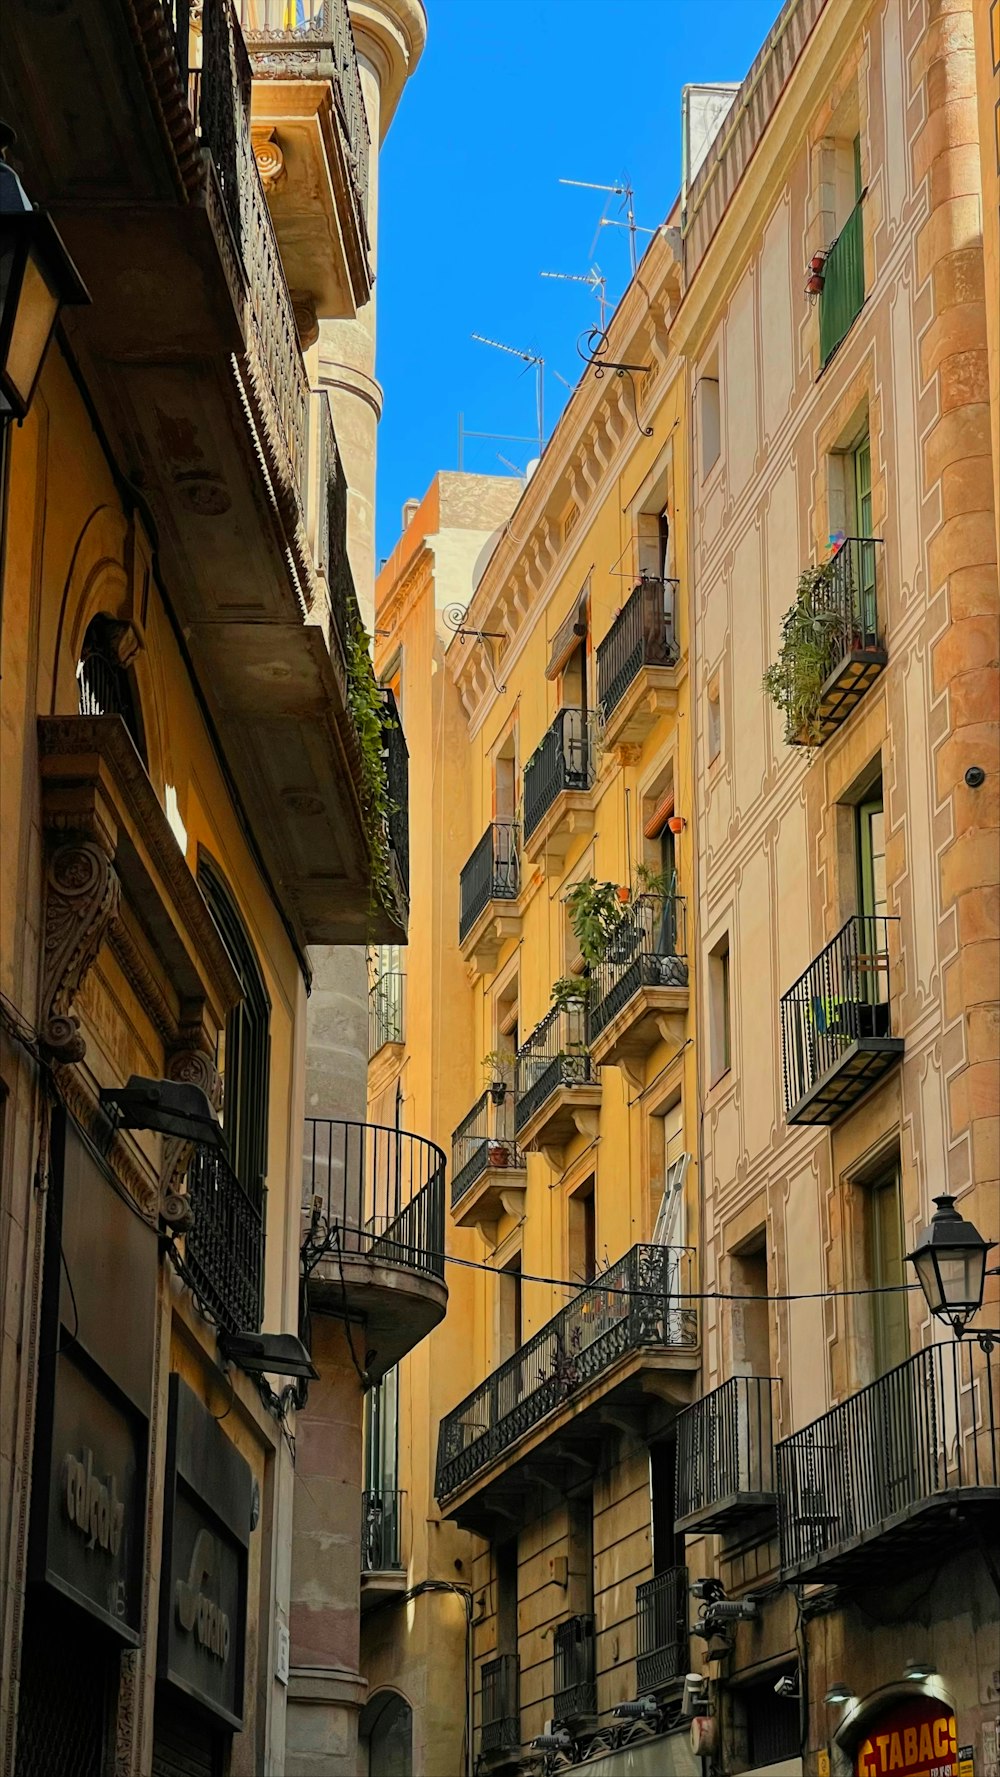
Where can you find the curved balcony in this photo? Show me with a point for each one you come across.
(374, 1244)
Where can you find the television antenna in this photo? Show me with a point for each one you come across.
(529, 358)
(623, 189)
(594, 279)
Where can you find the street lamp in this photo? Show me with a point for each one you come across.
(950, 1263)
(37, 279)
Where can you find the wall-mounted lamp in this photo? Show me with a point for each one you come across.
(281, 1354)
(950, 1263)
(168, 1106)
(37, 279)
(838, 1694)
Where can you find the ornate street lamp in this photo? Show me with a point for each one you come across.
(950, 1263)
(37, 279)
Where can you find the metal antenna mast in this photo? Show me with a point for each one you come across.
(594, 279)
(625, 191)
(528, 358)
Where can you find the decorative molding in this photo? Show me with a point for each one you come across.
(81, 1100)
(189, 1067)
(82, 894)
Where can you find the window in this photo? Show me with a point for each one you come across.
(861, 463)
(710, 414)
(719, 1009)
(714, 721)
(583, 1233)
(103, 680)
(505, 780)
(653, 545)
(510, 1309)
(382, 1435)
(886, 1270)
(245, 1057)
(506, 1572)
(870, 818)
(751, 1318)
(844, 272)
(668, 1547)
(385, 996)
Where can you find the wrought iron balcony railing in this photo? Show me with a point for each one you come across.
(381, 1530)
(554, 1055)
(500, 1725)
(642, 634)
(492, 873)
(661, 1609)
(561, 761)
(397, 771)
(648, 948)
(385, 1010)
(836, 1023)
(895, 1466)
(842, 623)
(844, 284)
(574, 1672)
(381, 1192)
(641, 1302)
(725, 1455)
(332, 535)
(483, 1139)
(224, 1247)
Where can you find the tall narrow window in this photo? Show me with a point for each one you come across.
(886, 1269)
(872, 893)
(510, 1308)
(720, 1030)
(245, 1059)
(668, 1547)
(583, 1233)
(844, 271)
(862, 460)
(710, 414)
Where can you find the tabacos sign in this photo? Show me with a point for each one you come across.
(918, 1738)
(197, 1612)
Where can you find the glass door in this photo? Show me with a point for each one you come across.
(871, 961)
(866, 550)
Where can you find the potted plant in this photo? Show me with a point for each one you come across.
(498, 1066)
(597, 910)
(569, 993)
(809, 631)
(497, 1153)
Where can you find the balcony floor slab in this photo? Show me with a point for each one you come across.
(567, 1112)
(900, 1541)
(499, 1190)
(397, 1305)
(653, 693)
(653, 1015)
(862, 1063)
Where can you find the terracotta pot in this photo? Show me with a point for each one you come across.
(676, 823)
(498, 1154)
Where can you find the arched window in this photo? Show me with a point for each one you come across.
(104, 683)
(245, 1062)
(386, 1727)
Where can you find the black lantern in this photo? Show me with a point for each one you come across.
(950, 1262)
(37, 279)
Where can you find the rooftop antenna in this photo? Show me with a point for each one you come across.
(623, 189)
(529, 358)
(594, 278)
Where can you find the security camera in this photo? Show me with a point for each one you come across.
(693, 1700)
(708, 1590)
(553, 1740)
(786, 1686)
(731, 1610)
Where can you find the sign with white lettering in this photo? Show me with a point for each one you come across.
(917, 1738)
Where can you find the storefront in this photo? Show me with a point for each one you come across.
(211, 1507)
(907, 1729)
(87, 1537)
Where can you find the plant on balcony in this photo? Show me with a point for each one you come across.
(597, 910)
(368, 710)
(498, 1066)
(794, 682)
(569, 993)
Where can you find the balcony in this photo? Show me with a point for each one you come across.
(836, 1023)
(374, 1243)
(310, 140)
(574, 1671)
(488, 1172)
(662, 1634)
(557, 1095)
(907, 1465)
(631, 1322)
(833, 651)
(383, 1570)
(385, 1011)
(639, 993)
(637, 663)
(557, 781)
(500, 1720)
(397, 778)
(725, 1459)
(488, 889)
(843, 295)
(191, 355)
(224, 1247)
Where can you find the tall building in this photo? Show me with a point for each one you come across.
(203, 787)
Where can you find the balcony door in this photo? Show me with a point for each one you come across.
(862, 464)
(873, 975)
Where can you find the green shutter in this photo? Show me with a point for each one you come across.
(844, 287)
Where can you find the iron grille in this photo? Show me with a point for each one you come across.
(639, 1302)
(642, 634)
(661, 1609)
(836, 1022)
(843, 611)
(773, 1727)
(555, 1054)
(725, 1456)
(492, 873)
(501, 1712)
(648, 948)
(844, 284)
(574, 1677)
(68, 1679)
(332, 540)
(886, 1454)
(385, 1010)
(397, 772)
(561, 761)
(104, 687)
(381, 1191)
(484, 1138)
(381, 1529)
(224, 1248)
(247, 1058)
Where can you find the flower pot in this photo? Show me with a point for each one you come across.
(498, 1154)
(676, 823)
(498, 1091)
(622, 892)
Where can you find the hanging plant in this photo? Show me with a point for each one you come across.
(809, 632)
(368, 709)
(596, 911)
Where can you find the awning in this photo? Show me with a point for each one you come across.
(665, 1755)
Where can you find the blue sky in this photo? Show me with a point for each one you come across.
(511, 95)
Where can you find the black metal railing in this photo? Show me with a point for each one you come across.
(555, 1054)
(925, 1429)
(661, 1610)
(385, 1010)
(725, 1452)
(492, 873)
(381, 1191)
(647, 948)
(561, 761)
(643, 634)
(397, 771)
(331, 543)
(500, 1727)
(381, 1529)
(838, 638)
(224, 1247)
(641, 1301)
(484, 1139)
(574, 1675)
(843, 998)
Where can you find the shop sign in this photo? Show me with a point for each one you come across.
(917, 1738)
(203, 1599)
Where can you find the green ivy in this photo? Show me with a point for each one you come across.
(808, 635)
(368, 710)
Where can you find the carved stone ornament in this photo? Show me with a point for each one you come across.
(267, 153)
(189, 1067)
(82, 895)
